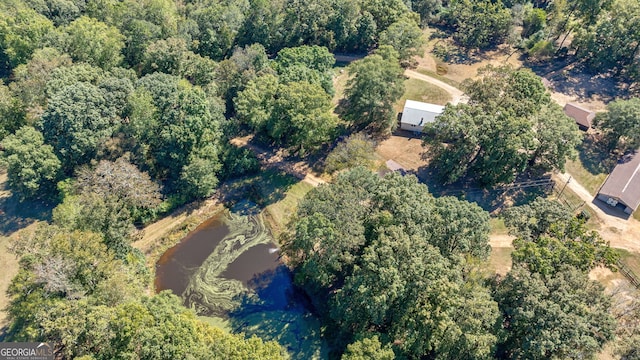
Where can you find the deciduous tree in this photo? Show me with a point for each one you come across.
(621, 123)
(509, 126)
(32, 167)
(375, 84)
(94, 42)
(22, 31)
(296, 115)
(12, 112)
(405, 36)
(356, 150)
(558, 316)
(77, 119)
(380, 256)
(478, 24)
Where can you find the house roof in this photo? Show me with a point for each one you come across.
(581, 115)
(624, 181)
(413, 110)
(417, 105)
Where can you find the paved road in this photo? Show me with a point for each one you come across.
(457, 96)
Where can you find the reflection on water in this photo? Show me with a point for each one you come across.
(178, 264)
(229, 267)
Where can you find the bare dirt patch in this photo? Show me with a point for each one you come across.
(9, 270)
(404, 148)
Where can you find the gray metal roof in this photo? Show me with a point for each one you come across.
(624, 181)
(581, 115)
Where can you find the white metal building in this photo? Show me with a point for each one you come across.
(416, 114)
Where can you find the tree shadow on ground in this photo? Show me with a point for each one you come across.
(263, 189)
(277, 310)
(570, 77)
(595, 155)
(16, 215)
(447, 50)
(492, 199)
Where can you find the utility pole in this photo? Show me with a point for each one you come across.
(565, 185)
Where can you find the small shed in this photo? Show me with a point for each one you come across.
(394, 166)
(416, 114)
(622, 187)
(582, 116)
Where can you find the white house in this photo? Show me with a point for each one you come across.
(416, 114)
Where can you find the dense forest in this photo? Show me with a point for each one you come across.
(115, 112)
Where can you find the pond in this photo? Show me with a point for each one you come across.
(228, 270)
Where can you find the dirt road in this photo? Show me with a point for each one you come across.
(271, 159)
(621, 233)
(457, 95)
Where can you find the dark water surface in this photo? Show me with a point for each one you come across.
(229, 268)
(253, 263)
(177, 264)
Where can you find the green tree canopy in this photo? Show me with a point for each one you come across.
(77, 120)
(72, 291)
(356, 150)
(530, 221)
(104, 215)
(172, 56)
(478, 24)
(63, 76)
(376, 256)
(61, 12)
(32, 167)
(568, 243)
(296, 115)
(621, 123)
(558, 316)
(368, 349)
(375, 84)
(218, 24)
(12, 112)
(94, 42)
(405, 36)
(58, 266)
(517, 91)
(233, 74)
(509, 126)
(612, 44)
(312, 64)
(30, 79)
(181, 126)
(22, 31)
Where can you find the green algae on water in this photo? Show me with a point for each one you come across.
(208, 293)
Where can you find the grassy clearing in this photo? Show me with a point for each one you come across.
(279, 213)
(435, 75)
(636, 215)
(590, 181)
(500, 260)
(422, 91)
(340, 77)
(631, 259)
(497, 226)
